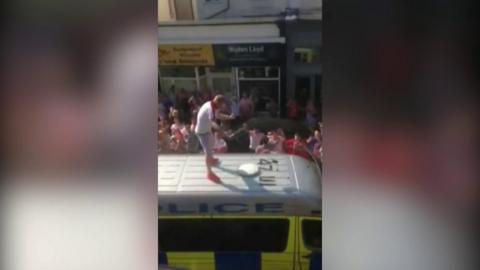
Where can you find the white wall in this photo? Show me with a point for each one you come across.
(240, 8)
(164, 10)
(218, 34)
(207, 8)
(255, 7)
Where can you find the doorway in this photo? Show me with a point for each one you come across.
(303, 87)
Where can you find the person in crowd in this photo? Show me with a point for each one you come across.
(193, 104)
(171, 98)
(275, 141)
(311, 115)
(272, 107)
(163, 125)
(167, 103)
(224, 110)
(263, 147)
(161, 106)
(314, 140)
(234, 107)
(191, 141)
(206, 121)
(177, 143)
(246, 107)
(320, 127)
(255, 136)
(206, 95)
(292, 109)
(173, 112)
(220, 145)
(318, 152)
(182, 104)
(177, 125)
(163, 142)
(297, 146)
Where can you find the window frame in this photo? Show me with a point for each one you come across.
(287, 231)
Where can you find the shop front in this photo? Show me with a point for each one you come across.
(257, 69)
(232, 69)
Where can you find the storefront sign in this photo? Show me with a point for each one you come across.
(256, 54)
(186, 55)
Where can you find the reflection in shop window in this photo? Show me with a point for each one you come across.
(178, 72)
(258, 72)
(220, 70)
(265, 94)
(222, 86)
(187, 84)
(306, 55)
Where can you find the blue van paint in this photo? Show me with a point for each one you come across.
(269, 207)
(222, 208)
(174, 209)
(203, 208)
(316, 261)
(238, 260)
(231, 208)
(162, 258)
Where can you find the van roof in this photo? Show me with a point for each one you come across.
(290, 180)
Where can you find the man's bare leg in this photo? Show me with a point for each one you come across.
(210, 174)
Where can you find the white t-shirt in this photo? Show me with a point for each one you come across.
(204, 118)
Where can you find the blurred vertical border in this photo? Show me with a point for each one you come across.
(78, 101)
(401, 187)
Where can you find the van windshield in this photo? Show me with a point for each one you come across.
(312, 234)
(197, 235)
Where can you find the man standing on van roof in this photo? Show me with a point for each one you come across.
(207, 116)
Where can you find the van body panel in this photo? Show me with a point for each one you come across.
(309, 257)
(286, 191)
(285, 185)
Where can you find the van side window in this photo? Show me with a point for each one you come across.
(196, 235)
(312, 234)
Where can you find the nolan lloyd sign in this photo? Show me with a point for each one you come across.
(255, 49)
(248, 54)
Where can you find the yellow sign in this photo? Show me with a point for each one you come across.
(186, 55)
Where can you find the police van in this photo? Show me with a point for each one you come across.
(270, 220)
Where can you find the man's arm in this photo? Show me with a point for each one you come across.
(215, 126)
(224, 117)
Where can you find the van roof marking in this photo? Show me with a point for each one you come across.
(187, 180)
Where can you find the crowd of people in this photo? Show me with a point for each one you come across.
(275, 142)
(178, 115)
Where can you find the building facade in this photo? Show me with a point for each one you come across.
(304, 72)
(261, 48)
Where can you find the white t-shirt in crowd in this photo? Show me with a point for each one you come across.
(204, 118)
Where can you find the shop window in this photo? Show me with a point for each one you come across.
(183, 10)
(187, 84)
(177, 72)
(265, 94)
(222, 85)
(223, 235)
(306, 55)
(252, 72)
(272, 72)
(312, 234)
(220, 70)
(259, 72)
